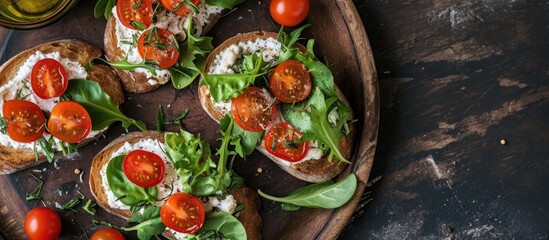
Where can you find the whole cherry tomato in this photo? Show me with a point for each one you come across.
(289, 13)
(42, 223)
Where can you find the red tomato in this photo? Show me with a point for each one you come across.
(290, 82)
(183, 213)
(48, 78)
(289, 13)
(107, 234)
(143, 168)
(253, 110)
(69, 122)
(280, 140)
(158, 45)
(42, 223)
(133, 12)
(25, 120)
(178, 5)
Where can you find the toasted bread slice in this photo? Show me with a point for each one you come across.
(134, 81)
(319, 170)
(249, 216)
(12, 159)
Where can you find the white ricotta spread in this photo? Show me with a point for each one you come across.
(225, 61)
(21, 81)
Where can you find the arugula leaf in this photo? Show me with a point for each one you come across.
(127, 192)
(311, 118)
(220, 225)
(160, 119)
(150, 224)
(103, 8)
(244, 142)
(319, 195)
(192, 60)
(227, 4)
(99, 105)
(226, 86)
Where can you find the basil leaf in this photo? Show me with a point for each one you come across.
(128, 193)
(227, 4)
(98, 104)
(125, 65)
(192, 60)
(290, 207)
(221, 225)
(150, 223)
(160, 119)
(320, 195)
(103, 8)
(311, 118)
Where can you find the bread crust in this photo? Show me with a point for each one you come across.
(12, 160)
(319, 170)
(249, 216)
(133, 81)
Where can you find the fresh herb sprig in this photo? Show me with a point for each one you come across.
(89, 207)
(36, 194)
(161, 121)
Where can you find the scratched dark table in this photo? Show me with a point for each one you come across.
(463, 150)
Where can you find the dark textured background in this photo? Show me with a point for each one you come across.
(457, 77)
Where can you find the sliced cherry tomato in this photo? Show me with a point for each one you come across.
(69, 122)
(143, 168)
(49, 78)
(253, 110)
(290, 82)
(289, 13)
(280, 140)
(133, 13)
(158, 45)
(25, 120)
(107, 234)
(179, 6)
(183, 213)
(42, 223)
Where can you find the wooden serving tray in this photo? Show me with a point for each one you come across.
(341, 40)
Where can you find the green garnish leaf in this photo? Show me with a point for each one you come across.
(220, 225)
(99, 105)
(192, 59)
(3, 125)
(71, 204)
(160, 119)
(319, 195)
(103, 8)
(149, 223)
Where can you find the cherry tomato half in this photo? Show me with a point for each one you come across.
(42, 223)
(289, 13)
(183, 213)
(290, 82)
(25, 120)
(48, 78)
(158, 45)
(134, 12)
(253, 110)
(280, 140)
(179, 6)
(143, 168)
(107, 234)
(69, 122)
